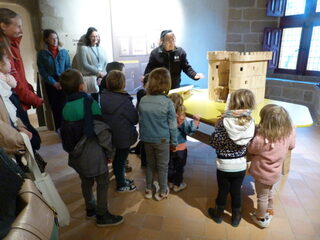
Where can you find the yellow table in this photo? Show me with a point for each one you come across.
(199, 103)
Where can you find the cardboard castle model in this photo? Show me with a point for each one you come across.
(229, 71)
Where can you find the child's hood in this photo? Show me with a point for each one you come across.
(112, 101)
(241, 135)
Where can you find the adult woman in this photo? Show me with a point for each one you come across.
(10, 35)
(173, 58)
(92, 59)
(52, 62)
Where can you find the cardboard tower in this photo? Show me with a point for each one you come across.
(229, 71)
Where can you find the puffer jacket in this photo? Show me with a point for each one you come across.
(120, 114)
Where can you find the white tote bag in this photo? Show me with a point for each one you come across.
(45, 185)
(91, 84)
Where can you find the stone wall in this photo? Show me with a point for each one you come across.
(246, 23)
(304, 93)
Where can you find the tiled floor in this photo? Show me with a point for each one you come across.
(184, 215)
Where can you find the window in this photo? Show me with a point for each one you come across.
(290, 48)
(295, 7)
(314, 53)
(297, 49)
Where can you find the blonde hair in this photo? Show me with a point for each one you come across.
(242, 99)
(275, 123)
(159, 82)
(176, 99)
(116, 81)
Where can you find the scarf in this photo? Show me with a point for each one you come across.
(54, 50)
(237, 113)
(88, 119)
(5, 92)
(9, 79)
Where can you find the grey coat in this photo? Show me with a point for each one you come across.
(89, 157)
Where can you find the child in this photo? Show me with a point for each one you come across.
(178, 157)
(158, 129)
(87, 139)
(275, 136)
(232, 134)
(120, 114)
(14, 116)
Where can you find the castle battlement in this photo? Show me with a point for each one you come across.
(229, 71)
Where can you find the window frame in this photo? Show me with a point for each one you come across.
(307, 21)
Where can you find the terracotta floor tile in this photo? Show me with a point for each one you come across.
(152, 222)
(183, 216)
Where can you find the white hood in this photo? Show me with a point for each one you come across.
(241, 135)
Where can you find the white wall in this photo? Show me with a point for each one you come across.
(199, 25)
(72, 18)
(204, 29)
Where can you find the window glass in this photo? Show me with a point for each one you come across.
(289, 48)
(295, 7)
(314, 53)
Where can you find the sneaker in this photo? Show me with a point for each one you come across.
(179, 188)
(156, 186)
(108, 219)
(127, 188)
(148, 194)
(129, 181)
(264, 223)
(90, 213)
(170, 184)
(160, 196)
(270, 212)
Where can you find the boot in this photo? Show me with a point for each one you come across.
(216, 213)
(236, 217)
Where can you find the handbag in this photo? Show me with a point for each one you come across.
(45, 185)
(91, 84)
(36, 219)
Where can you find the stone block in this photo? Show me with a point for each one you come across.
(292, 93)
(241, 3)
(234, 38)
(258, 26)
(239, 26)
(251, 37)
(262, 3)
(253, 47)
(274, 91)
(255, 14)
(235, 14)
(235, 47)
(308, 96)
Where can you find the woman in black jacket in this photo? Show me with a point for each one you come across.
(173, 58)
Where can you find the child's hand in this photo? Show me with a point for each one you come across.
(29, 134)
(196, 119)
(173, 148)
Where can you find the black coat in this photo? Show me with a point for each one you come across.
(175, 61)
(120, 114)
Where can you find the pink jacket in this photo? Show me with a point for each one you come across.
(267, 158)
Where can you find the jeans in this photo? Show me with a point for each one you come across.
(177, 162)
(119, 165)
(101, 206)
(265, 198)
(229, 182)
(157, 159)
